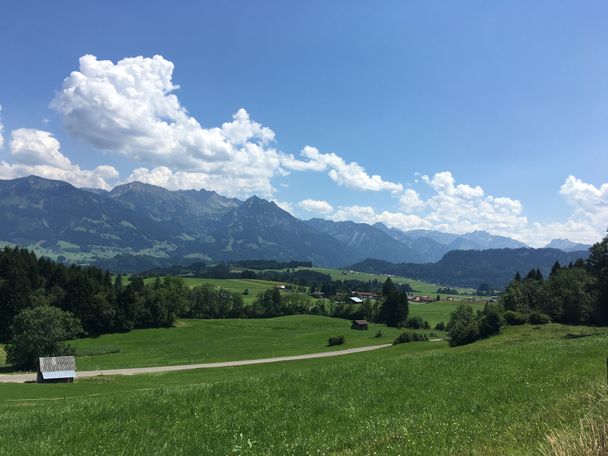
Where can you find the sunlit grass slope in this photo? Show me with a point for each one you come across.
(497, 397)
(202, 341)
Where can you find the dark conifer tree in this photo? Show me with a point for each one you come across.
(555, 268)
(517, 277)
(388, 288)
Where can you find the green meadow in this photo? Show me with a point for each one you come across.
(417, 285)
(237, 286)
(256, 286)
(437, 311)
(202, 341)
(499, 396)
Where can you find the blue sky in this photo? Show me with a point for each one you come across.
(501, 105)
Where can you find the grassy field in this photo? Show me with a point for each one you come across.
(19, 396)
(438, 311)
(200, 341)
(196, 341)
(420, 287)
(237, 286)
(495, 397)
(254, 285)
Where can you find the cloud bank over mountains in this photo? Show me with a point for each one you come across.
(38, 152)
(130, 109)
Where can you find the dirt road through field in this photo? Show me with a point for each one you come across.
(22, 378)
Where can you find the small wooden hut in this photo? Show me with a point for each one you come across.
(56, 369)
(359, 324)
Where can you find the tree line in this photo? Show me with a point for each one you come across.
(574, 294)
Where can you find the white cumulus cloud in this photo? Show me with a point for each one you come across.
(316, 206)
(367, 214)
(410, 201)
(351, 175)
(38, 152)
(462, 208)
(587, 199)
(37, 147)
(130, 108)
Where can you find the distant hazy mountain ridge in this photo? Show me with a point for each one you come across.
(470, 268)
(566, 245)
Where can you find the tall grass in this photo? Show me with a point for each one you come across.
(590, 436)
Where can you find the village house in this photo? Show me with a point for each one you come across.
(423, 299)
(365, 294)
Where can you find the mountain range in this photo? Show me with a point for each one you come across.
(141, 223)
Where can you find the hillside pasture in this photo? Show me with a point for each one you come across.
(201, 341)
(497, 396)
(237, 286)
(419, 286)
(437, 311)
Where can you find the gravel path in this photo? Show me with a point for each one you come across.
(21, 378)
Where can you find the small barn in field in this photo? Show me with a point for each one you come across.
(359, 324)
(56, 369)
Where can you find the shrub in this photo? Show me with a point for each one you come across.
(410, 336)
(491, 320)
(515, 318)
(417, 322)
(538, 318)
(440, 326)
(335, 340)
(464, 327)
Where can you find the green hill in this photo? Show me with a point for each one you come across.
(499, 396)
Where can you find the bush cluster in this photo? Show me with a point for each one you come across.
(514, 318)
(465, 326)
(335, 340)
(410, 336)
(538, 318)
(440, 326)
(417, 322)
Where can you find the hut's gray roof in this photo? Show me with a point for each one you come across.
(57, 367)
